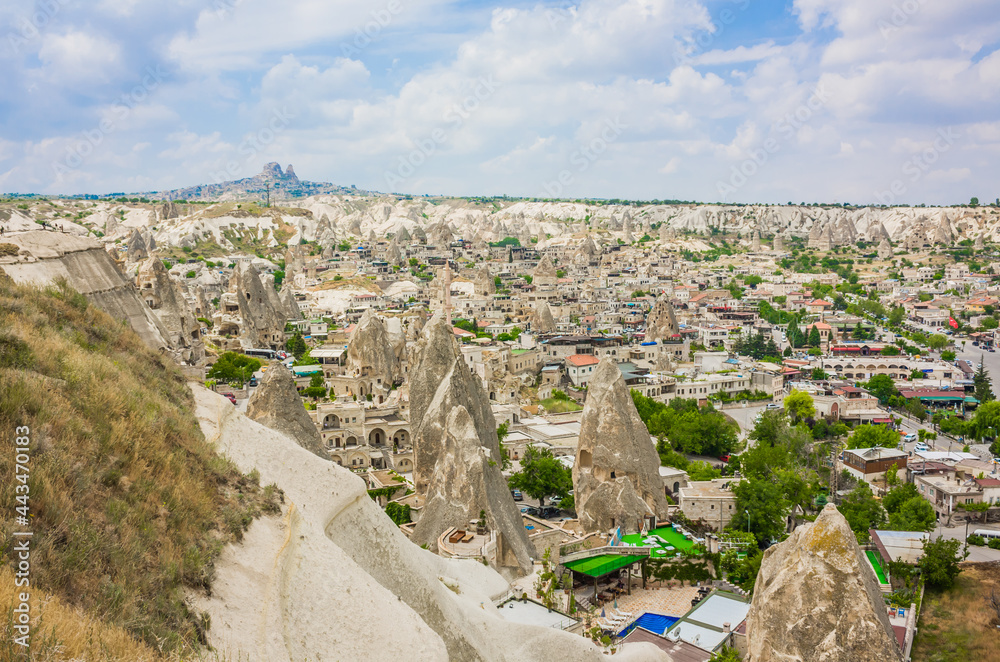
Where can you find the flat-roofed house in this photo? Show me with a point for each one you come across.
(870, 464)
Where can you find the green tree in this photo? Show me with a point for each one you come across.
(939, 564)
(916, 514)
(871, 436)
(502, 431)
(296, 345)
(743, 572)
(937, 341)
(542, 475)
(897, 315)
(882, 387)
(773, 424)
(948, 355)
(316, 388)
(897, 496)
(765, 502)
(814, 339)
(702, 471)
(862, 511)
(986, 423)
(799, 405)
(916, 409)
(983, 384)
(234, 368)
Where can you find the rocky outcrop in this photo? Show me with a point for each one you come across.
(484, 285)
(277, 404)
(816, 598)
(48, 256)
(884, 249)
(661, 323)
(456, 452)
(137, 249)
(164, 297)
(258, 318)
(289, 304)
(542, 320)
(615, 476)
(370, 353)
(333, 551)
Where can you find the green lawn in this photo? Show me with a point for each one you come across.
(873, 557)
(672, 537)
(554, 406)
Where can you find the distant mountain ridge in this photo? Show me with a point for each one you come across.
(283, 184)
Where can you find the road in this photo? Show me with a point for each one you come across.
(745, 417)
(957, 532)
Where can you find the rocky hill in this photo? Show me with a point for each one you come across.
(283, 184)
(224, 228)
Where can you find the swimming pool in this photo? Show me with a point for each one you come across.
(657, 623)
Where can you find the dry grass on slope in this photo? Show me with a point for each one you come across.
(130, 506)
(958, 625)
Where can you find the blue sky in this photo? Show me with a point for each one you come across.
(857, 101)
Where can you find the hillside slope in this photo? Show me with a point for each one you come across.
(128, 503)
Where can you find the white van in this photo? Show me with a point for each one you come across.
(987, 533)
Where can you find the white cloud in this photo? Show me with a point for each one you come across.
(77, 58)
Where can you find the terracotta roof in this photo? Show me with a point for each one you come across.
(582, 360)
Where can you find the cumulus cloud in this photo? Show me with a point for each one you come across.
(502, 99)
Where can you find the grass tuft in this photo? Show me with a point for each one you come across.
(130, 505)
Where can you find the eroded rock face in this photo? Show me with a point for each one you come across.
(456, 452)
(289, 304)
(484, 285)
(262, 319)
(165, 298)
(884, 250)
(276, 404)
(542, 320)
(661, 323)
(616, 474)
(817, 599)
(370, 352)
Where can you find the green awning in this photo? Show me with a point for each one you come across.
(598, 566)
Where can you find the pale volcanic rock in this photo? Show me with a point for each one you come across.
(616, 474)
(884, 249)
(261, 314)
(163, 295)
(277, 404)
(542, 320)
(456, 452)
(370, 352)
(484, 284)
(817, 599)
(289, 304)
(661, 323)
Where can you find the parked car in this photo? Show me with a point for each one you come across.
(773, 405)
(725, 457)
(534, 511)
(232, 398)
(921, 448)
(253, 381)
(517, 495)
(910, 437)
(548, 512)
